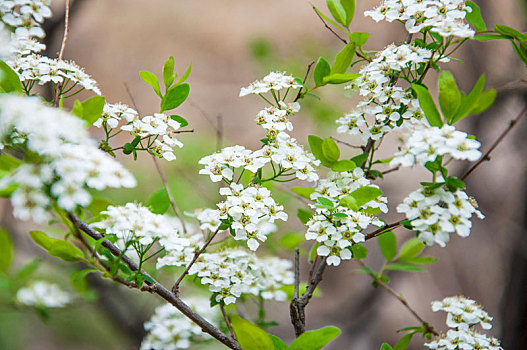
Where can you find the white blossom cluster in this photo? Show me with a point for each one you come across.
(6, 43)
(425, 143)
(159, 129)
(435, 213)
(274, 82)
(337, 230)
(65, 161)
(385, 106)
(43, 294)
(113, 113)
(169, 329)
(445, 17)
(25, 16)
(462, 315)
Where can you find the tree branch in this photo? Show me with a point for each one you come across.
(304, 81)
(328, 27)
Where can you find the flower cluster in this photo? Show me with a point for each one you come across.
(160, 132)
(426, 143)
(169, 329)
(462, 315)
(274, 82)
(113, 113)
(435, 213)
(64, 160)
(6, 43)
(445, 17)
(43, 294)
(385, 106)
(337, 228)
(26, 16)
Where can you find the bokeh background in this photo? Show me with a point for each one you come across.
(231, 43)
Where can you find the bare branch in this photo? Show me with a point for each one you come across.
(345, 143)
(63, 45)
(227, 322)
(328, 27)
(304, 81)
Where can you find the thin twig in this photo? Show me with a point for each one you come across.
(383, 229)
(345, 143)
(227, 322)
(175, 288)
(170, 197)
(156, 288)
(219, 132)
(486, 157)
(403, 301)
(328, 27)
(304, 81)
(297, 272)
(129, 92)
(63, 45)
(391, 170)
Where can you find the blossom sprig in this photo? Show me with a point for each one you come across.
(26, 16)
(274, 82)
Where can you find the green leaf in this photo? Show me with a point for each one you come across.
(27, 270)
(485, 100)
(8, 163)
(349, 8)
(185, 76)
(6, 250)
(249, 336)
(304, 215)
(359, 251)
(340, 78)
(359, 38)
(330, 150)
(325, 201)
(168, 72)
(92, 109)
(79, 282)
(327, 18)
(97, 205)
(337, 11)
(303, 191)
(175, 96)
(322, 69)
(469, 101)
(159, 202)
(343, 59)
(423, 260)
(313, 251)
(404, 267)
(315, 143)
(489, 37)
(411, 248)
(453, 183)
(9, 81)
(449, 95)
(343, 165)
(58, 248)
(360, 159)
(151, 79)
(182, 121)
(509, 31)
(365, 194)
(474, 17)
(428, 105)
(278, 343)
(315, 339)
(388, 244)
(386, 346)
(402, 344)
(291, 240)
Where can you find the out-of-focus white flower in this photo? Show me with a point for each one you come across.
(43, 294)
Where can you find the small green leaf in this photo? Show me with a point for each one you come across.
(359, 251)
(313, 251)
(427, 104)
(349, 8)
(8, 163)
(340, 78)
(388, 244)
(27, 270)
(403, 343)
(175, 96)
(9, 81)
(489, 37)
(291, 240)
(474, 17)
(469, 101)
(322, 70)
(343, 165)
(316, 339)
(97, 205)
(330, 150)
(485, 100)
(325, 201)
(250, 336)
(343, 59)
(509, 31)
(411, 248)
(449, 95)
(92, 109)
(304, 215)
(337, 11)
(404, 267)
(168, 72)
(386, 346)
(360, 159)
(182, 121)
(185, 76)
(359, 38)
(423, 260)
(159, 202)
(327, 18)
(303, 191)
(279, 344)
(365, 194)
(59, 248)
(151, 79)
(6, 250)
(315, 143)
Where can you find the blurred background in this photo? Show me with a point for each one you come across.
(230, 44)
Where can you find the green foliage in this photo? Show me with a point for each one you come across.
(359, 251)
(403, 343)
(388, 244)
(168, 72)
(303, 191)
(250, 336)
(330, 150)
(343, 165)
(97, 205)
(337, 11)
(349, 8)
(359, 38)
(343, 59)
(322, 69)
(89, 110)
(151, 79)
(304, 215)
(79, 282)
(386, 346)
(6, 250)
(182, 121)
(159, 202)
(360, 159)
(291, 240)
(468, 102)
(474, 17)
(449, 95)
(289, 289)
(428, 105)
(9, 81)
(360, 196)
(175, 96)
(315, 339)
(340, 78)
(411, 248)
(8, 163)
(58, 248)
(278, 343)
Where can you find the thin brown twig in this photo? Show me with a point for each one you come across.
(345, 143)
(328, 27)
(403, 301)
(170, 197)
(63, 45)
(227, 322)
(175, 288)
(383, 229)
(486, 157)
(297, 272)
(304, 81)
(391, 170)
(129, 92)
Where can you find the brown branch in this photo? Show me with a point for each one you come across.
(297, 272)
(156, 288)
(304, 81)
(383, 230)
(391, 170)
(345, 143)
(328, 27)
(486, 157)
(401, 298)
(175, 288)
(170, 197)
(227, 322)
(63, 45)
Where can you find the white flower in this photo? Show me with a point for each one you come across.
(43, 294)
(274, 81)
